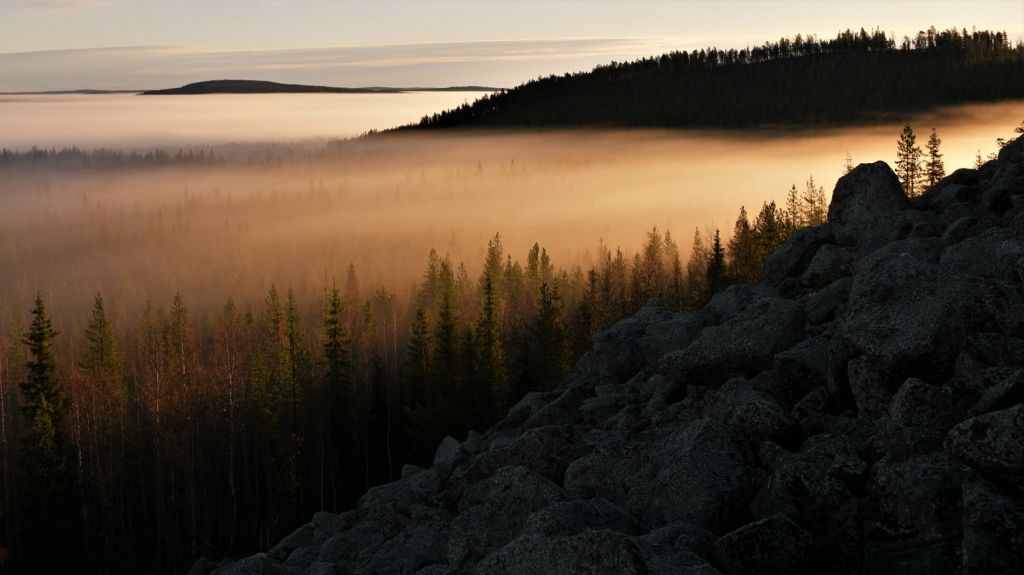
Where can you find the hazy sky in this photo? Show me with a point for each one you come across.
(60, 44)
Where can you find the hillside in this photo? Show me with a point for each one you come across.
(856, 77)
(262, 87)
(859, 409)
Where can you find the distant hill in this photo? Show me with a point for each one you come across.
(262, 87)
(856, 77)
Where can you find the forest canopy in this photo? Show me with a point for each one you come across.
(855, 77)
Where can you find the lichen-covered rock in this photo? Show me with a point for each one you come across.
(993, 442)
(993, 520)
(583, 553)
(863, 207)
(746, 344)
(774, 545)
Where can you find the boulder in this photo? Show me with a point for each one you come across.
(699, 474)
(829, 264)
(792, 257)
(745, 344)
(992, 442)
(774, 545)
(583, 553)
(993, 520)
(492, 512)
(863, 208)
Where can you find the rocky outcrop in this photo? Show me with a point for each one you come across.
(861, 409)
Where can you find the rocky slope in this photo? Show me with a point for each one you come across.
(861, 409)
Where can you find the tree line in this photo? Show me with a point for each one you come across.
(856, 76)
(142, 446)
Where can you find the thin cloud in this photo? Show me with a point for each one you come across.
(60, 5)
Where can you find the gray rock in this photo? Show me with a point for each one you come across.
(699, 474)
(1007, 393)
(448, 455)
(902, 316)
(812, 484)
(829, 264)
(746, 344)
(419, 545)
(829, 302)
(967, 227)
(979, 255)
(921, 495)
(301, 537)
(800, 369)
(863, 208)
(253, 565)
(871, 385)
(571, 517)
(919, 404)
(993, 519)
(583, 553)
(818, 400)
(769, 546)
(793, 256)
(494, 511)
(993, 442)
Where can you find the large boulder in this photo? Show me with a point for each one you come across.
(992, 443)
(863, 208)
(580, 554)
(774, 545)
(493, 512)
(993, 522)
(746, 344)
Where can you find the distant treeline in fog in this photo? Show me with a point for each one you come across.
(147, 443)
(855, 77)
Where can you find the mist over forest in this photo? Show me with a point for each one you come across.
(219, 314)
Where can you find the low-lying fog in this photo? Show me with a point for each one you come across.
(138, 234)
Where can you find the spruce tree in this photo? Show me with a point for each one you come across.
(548, 360)
(337, 379)
(102, 358)
(49, 509)
(794, 209)
(934, 168)
(696, 286)
(492, 393)
(716, 266)
(742, 257)
(908, 161)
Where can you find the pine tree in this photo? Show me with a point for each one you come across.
(848, 163)
(908, 161)
(934, 168)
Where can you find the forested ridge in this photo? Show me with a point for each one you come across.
(180, 434)
(855, 77)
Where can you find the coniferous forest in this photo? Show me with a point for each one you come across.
(855, 77)
(182, 435)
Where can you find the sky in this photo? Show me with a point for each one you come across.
(142, 44)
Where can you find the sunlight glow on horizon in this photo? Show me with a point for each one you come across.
(116, 44)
